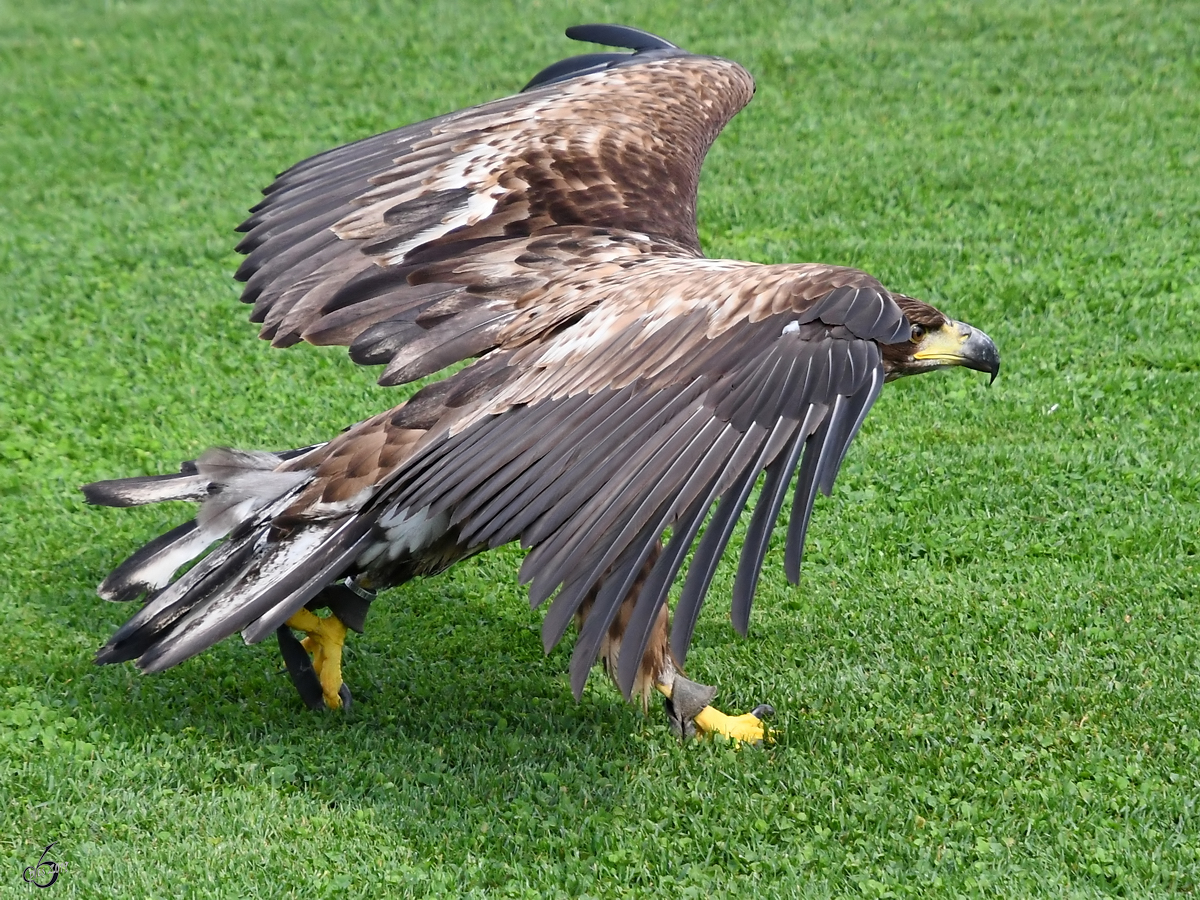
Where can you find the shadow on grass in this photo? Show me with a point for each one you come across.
(451, 692)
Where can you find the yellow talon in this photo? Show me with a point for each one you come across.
(325, 639)
(747, 727)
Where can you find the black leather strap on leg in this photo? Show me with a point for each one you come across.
(349, 604)
(300, 668)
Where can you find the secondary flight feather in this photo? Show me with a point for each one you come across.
(623, 385)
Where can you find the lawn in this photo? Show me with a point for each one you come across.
(987, 680)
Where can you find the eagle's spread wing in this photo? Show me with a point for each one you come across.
(625, 386)
(417, 247)
(587, 446)
(682, 381)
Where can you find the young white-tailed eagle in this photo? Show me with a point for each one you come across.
(623, 385)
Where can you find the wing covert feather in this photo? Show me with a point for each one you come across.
(476, 197)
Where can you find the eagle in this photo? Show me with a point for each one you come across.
(624, 397)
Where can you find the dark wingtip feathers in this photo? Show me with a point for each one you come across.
(109, 654)
(621, 36)
(624, 36)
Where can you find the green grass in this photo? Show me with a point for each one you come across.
(987, 682)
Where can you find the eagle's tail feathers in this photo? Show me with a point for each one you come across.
(153, 566)
(195, 480)
(237, 488)
(145, 489)
(254, 571)
(164, 608)
(280, 578)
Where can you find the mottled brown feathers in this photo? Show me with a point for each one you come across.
(345, 246)
(623, 385)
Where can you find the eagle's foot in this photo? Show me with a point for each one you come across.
(687, 705)
(748, 727)
(315, 664)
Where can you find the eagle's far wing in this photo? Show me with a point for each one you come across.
(433, 234)
(586, 447)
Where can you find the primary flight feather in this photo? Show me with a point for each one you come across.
(623, 384)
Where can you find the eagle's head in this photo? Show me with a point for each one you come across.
(937, 341)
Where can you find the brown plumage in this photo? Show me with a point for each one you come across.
(623, 385)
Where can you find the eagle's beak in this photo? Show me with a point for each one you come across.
(959, 344)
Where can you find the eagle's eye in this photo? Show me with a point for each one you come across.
(918, 332)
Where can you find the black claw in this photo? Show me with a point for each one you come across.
(763, 711)
(300, 668)
(347, 700)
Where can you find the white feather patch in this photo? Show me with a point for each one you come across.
(405, 533)
(270, 565)
(477, 207)
(158, 571)
(223, 522)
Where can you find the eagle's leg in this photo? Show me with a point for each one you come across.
(324, 644)
(315, 664)
(747, 727)
(687, 702)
